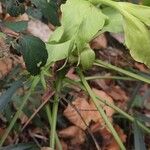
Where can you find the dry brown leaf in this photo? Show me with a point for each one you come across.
(99, 42)
(81, 104)
(109, 141)
(75, 133)
(141, 67)
(109, 111)
(39, 29)
(117, 93)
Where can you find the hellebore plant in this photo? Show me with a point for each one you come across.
(82, 21)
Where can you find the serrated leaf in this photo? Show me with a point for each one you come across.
(34, 53)
(17, 26)
(87, 58)
(138, 137)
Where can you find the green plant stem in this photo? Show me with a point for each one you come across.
(18, 113)
(108, 77)
(129, 117)
(54, 114)
(101, 111)
(49, 115)
(112, 67)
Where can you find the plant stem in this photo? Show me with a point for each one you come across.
(54, 113)
(101, 111)
(18, 113)
(112, 67)
(49, 115)
(129, 117)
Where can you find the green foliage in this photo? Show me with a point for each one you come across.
(87, 58)
(34, 53)
(49, 10)
(14, 7)
(17, 26)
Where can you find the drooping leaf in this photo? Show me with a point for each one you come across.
(5, 98)
(137, 39)
(87, 58)
(34, 53)
(138, 138)
(17, 26)
(15, 8)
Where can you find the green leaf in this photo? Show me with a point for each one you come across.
(138, 137)
(82, 21)
(34, 53)
(17, 26)
(146, 2)
(137, 39)
(115, 22)
(14, 8)
(87, 58)
(139, 11)
(58, 51)
(5, 98)
(49, 10)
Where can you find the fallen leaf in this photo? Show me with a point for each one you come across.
(74, 133)
(109, 142)
(109, 111)
(141, 67)
(75, 117)
(117, 93)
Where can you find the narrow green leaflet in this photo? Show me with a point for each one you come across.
(34, 53)
(87, 58)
